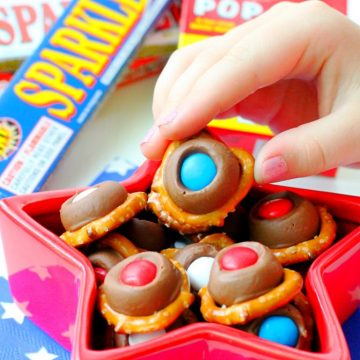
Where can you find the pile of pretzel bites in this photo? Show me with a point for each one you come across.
(200, 245)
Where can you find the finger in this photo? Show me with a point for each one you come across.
(311, 148)
(154, 144)
(283, 105)
(245, 68)
(188, 63)
(175, 66)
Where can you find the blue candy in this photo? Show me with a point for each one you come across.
(280, 329)
(197, 171)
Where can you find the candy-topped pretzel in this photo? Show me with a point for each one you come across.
(246, 282)
(145, 292)
(94, 212)
(312, 248)
(199, 182)
(290, 325)
(295, 229)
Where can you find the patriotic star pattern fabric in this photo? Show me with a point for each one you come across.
(20, 338)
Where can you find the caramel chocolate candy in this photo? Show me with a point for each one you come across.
(243, 271)
(283, 219)
(145, 234)
(190, 253)
(201, 175)
(142, 284)
(91, 204)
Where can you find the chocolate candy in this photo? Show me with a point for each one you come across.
(190, 253)
(91, 204)
(280, 329)
(283, 219)
(102, 261)
(145, 234)
(243, 271)
(197, 171)
(142, 284)
(285, 326)
(197, 259)
(105, 258)
(201, 175)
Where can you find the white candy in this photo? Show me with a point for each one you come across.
(199, 272)
(140, 338)
(83, 194)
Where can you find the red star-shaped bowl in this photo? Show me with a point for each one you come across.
(59, 284)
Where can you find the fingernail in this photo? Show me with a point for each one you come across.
(148, 135)
(274, 169)
(169, 118)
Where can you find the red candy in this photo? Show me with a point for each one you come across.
(237, 258)
(100, 274)
(275, 208)
(138, 273)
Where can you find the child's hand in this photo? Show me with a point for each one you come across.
(296, 68)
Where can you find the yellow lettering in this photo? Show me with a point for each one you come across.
(54, 78)
(102, 10)
(74, 65)
(137, 5)
(34, 95)
(78, 43)
(103, 30)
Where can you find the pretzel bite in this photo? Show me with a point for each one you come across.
(198, 183)
(144, 293)
(295, 229)
(94, 212)
(219, 240)
(290, 325)
(246, 281)
(113, 339)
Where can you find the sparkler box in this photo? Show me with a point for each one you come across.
(23, 26)
(59, 87)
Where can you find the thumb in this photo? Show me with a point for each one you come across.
(311, 148)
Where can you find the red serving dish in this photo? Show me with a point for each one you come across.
(59, 284)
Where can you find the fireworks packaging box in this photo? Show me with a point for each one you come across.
(58, 88)
(203, 18)
(23, 26)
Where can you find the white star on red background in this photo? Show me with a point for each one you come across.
(355, 294)
(41, 271)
